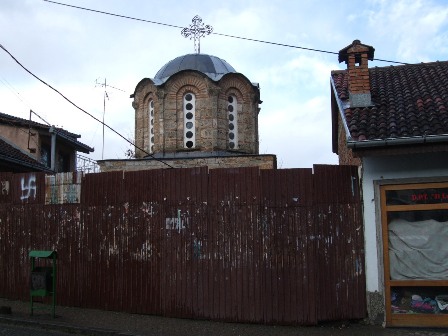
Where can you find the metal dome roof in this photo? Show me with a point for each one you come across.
(212, 66)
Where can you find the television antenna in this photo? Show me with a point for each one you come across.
(105, 96)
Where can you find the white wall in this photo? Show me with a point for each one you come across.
(383, 168)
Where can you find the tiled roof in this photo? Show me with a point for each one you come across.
(15, 156)
(408, 101)
(70, 137)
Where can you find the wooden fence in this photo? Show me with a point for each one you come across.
(242, 245)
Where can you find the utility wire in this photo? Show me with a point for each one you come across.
(79, 108)
(219, 34)
(112, 14)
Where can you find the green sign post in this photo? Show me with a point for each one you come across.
(43, 279)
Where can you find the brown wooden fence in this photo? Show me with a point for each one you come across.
(243, 245)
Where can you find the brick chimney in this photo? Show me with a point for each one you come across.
(357, 57)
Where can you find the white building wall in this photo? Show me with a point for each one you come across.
(414, 168)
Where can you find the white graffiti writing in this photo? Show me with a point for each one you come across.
(29, 188)
(176, 223)
(5, 187)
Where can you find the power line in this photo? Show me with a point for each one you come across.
(79, 108)
(13, 90)
(112, 14)
(219, 34)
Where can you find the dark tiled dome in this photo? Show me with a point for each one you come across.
(212, 66)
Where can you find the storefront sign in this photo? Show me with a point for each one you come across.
(417, 196)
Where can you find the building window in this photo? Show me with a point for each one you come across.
(45, 155)
(151, 126)
(63, 163)
(232, 105)
(415, 236)
(189, 121)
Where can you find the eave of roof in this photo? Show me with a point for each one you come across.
(417, 140)
(66, 135)
(79, 146)
(13, 155)
(417, 87)
(36, 167)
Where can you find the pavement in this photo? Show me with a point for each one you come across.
(93, 322)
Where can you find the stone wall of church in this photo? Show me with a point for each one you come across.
(248, 99)
(211, 113)
(266, 161)
(145, 92)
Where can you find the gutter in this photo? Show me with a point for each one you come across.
(425, 139)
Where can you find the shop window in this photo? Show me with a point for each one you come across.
(415, 236)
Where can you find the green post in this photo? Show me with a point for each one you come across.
(43, 279)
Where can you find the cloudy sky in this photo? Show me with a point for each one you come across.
(72, 49)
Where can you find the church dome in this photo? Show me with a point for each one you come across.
(212, 66)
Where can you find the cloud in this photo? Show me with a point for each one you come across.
(299, 133)
(417, 27)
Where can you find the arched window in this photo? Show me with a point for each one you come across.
(232, 107)
(189, 120)
(151, 125)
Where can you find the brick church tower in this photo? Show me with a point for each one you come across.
(196, 111)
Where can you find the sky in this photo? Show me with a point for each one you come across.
(73, 50)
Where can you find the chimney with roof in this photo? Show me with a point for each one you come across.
(357, 56)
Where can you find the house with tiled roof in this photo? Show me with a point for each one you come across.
(393, 123)
(27, 146)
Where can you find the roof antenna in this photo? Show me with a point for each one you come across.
(105, 95)
(195, 31)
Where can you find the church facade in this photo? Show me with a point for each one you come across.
(196, 111)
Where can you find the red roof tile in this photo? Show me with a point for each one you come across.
(408, 101)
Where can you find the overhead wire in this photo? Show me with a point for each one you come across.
(13, 90)
(81, 109)
(162, 24)
(214, 33)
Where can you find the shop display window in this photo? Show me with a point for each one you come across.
(415, 246)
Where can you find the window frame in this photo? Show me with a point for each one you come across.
(417, 319)
(189, 124)
(232, 105)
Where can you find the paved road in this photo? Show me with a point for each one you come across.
(15, 330)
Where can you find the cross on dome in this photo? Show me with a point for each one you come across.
(195, 31)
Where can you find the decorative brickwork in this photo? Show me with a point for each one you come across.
(197, 111)
(210, 114)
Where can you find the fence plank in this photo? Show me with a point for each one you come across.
(240, 245)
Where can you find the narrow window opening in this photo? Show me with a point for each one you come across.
(189, 105)
(151, 126)
(232, 109)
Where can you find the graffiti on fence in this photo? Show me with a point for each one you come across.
(197, 249)
(29, 187)
(5, 187)
(60, 188)
(176, 223)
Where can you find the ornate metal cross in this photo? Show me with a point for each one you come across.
(195, 31)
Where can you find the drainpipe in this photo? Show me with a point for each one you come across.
(53, 148)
